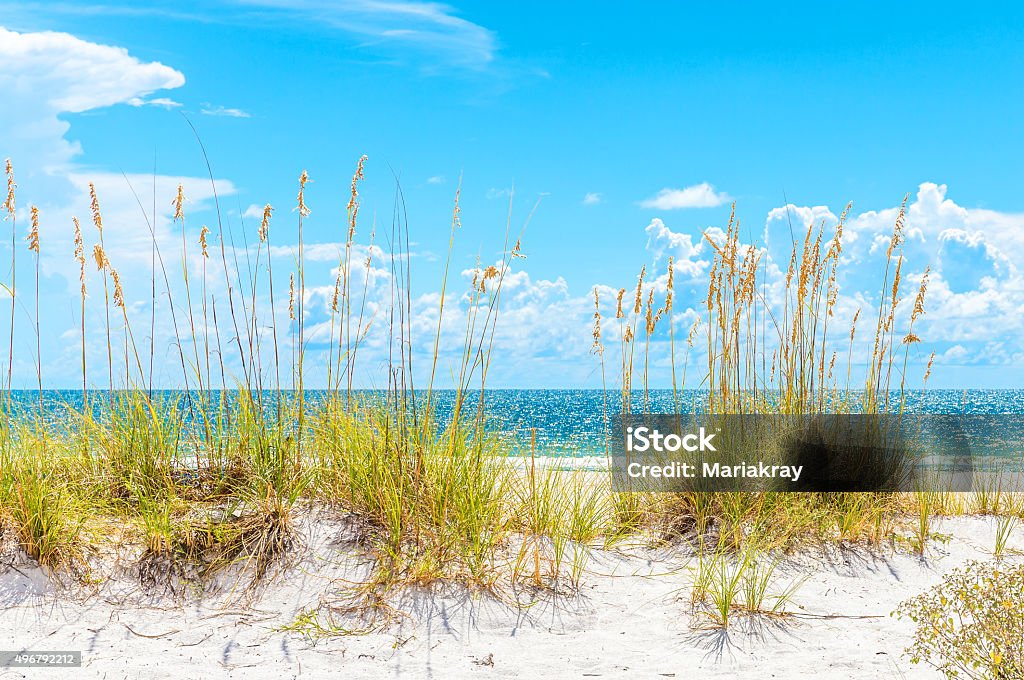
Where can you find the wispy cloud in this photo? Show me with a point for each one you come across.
(701, 195)
(429, 27)
(436, 179)
(161, 102)
(592, 198)
(217, 110)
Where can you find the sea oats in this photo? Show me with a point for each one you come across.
(179, 201)
(897, 232)
(291, 296)
(896, 281)
(353, 201)
(33, 234)
(928, 370)
(649, 317)
(202, 241)
(618, 304)
(638, 302)
(9, 203)
(337, 291)
(302, 207)
(919, 300)
(79, 253)
(265, 222)
(100, 257)
(94, 206)
(118, 291)
(693, 332)
(456, 221)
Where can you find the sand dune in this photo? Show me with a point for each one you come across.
(631, 617)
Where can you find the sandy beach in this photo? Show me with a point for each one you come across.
(631, 617)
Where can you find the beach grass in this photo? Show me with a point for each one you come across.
(209, 480)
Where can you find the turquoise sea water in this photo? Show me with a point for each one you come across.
(567, 422)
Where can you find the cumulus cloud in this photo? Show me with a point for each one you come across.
(46, 74)
(701, 195)
(592, 198)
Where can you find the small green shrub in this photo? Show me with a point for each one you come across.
(972, 624)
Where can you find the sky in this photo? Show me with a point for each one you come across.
(615, 135)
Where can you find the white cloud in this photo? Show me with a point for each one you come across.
(217, 110)
(253, 212)
(701, 195)
(495, 193)
(436, 179)
(43, 75)
(592, 198)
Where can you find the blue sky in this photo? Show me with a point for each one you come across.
(634, 127)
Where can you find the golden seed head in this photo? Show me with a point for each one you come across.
(179, 201)
(101, 257)
(618, 304)
(792, 267)
(597, 348)
(910, 339)
(919, 300)
(9, 204)
(896, 280)
(302, 208)
(118, 292)
(638, 302)
(649, 316)
(202, 240)
(693, 332)
(33, 234)
(79, 253)
(456, 222)
(928, 370)
(628, 335)
(353, 201)
(97, 216)
(337, 291)
(897, 232)
(517, 251)
(291, 296)
(853, 326)
(265, 223)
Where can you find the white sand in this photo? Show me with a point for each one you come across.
(631, 618)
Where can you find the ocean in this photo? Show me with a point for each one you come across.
(567, 422)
